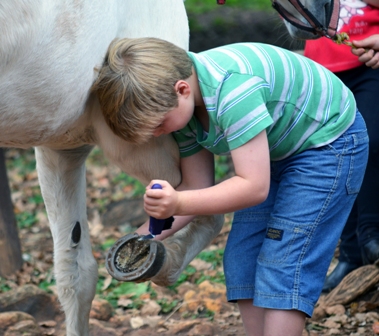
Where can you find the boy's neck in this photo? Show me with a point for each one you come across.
(194, 82)
(200, 111)
(201, 115)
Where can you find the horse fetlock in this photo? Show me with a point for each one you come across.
(173, 265)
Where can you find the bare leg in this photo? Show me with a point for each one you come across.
(270, 322)
(284, 322)
(252, 317)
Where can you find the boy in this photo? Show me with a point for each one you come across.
(298, 146)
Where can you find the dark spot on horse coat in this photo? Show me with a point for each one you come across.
(76, 233)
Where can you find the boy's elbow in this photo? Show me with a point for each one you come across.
(260, 195)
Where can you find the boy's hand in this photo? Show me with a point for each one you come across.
(367, 51)
(161, 203)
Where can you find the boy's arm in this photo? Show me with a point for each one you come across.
(197, 173)
(249, 187)
(367, 51)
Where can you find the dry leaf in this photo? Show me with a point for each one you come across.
(107, 282)
(124, 302)
(150, 308)
(136, 322)
(48, 324)
(200, 265)
(152, 321)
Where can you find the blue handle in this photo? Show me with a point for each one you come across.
(156, 225)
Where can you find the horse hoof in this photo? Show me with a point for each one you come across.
(130, 259)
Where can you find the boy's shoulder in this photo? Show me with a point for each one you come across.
(250, 51)
(241, 46)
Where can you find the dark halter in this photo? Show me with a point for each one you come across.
(314, 25)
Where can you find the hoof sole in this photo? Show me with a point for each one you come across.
(132, 260)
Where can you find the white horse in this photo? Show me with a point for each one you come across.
(49, 55)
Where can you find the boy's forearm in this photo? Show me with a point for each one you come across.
(233, 194)
(249, 187)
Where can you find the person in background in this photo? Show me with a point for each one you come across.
(367, 51)
(359, 242)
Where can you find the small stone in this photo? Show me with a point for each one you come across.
(48, 324)
(334, 331)
(335, 310)
(205, 329)
(8, 319)
(31, 300)
(101, 310)
(98, 329)
(331, 324)
(150, 308)
(22, 328)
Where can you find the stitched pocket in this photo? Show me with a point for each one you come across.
(358, 162)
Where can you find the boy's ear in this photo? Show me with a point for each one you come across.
(182, 87)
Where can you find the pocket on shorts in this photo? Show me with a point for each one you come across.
(284, 243)
(358, 162)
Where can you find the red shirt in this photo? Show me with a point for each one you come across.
(359, 21)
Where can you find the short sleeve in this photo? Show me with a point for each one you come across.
(187, 139)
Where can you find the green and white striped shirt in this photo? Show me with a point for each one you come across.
(249, 87)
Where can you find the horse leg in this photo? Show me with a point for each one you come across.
(185, 244)
(63, 184)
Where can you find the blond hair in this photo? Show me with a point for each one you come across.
(136, 83)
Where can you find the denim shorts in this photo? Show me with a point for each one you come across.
(278, 252)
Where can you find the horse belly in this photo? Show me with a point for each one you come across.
(32, 118)
(44, 86)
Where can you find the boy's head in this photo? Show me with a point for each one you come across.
(136, 85)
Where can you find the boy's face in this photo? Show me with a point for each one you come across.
(178, 117)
